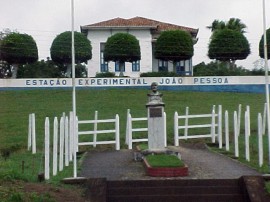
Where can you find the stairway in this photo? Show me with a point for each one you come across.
(210, 190)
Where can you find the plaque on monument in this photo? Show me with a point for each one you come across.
(155, 112)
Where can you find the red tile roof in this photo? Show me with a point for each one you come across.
(139, 22)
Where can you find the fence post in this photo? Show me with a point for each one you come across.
(61, 142)
(76, 136)
(33, 132)
(95, 129)
(127, 128)
(165, 129)
(66, 142)
(227, 131)
(247, 134)
(260, 141)
(220, 126)
(213, 128)
(176, 132)
(29, 132)
(47, 149)
(129, 131)
(71, 135)
(236, 146)
(186, 123)
(117, 132)
(55, 145)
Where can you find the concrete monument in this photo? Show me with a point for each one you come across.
(156, 120)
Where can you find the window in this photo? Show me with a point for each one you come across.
(162, 66)
(180, 68)
(117, 67)
(184, 67)
(136, 66)
(103, 63)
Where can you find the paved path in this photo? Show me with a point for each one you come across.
(203, 164)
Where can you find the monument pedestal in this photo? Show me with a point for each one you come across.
(156, 126)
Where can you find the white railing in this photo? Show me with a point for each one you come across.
(130, 130)
(32, 133)
(212, 125)
(95, 132)
(66, 143)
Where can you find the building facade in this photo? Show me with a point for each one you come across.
(147, 32)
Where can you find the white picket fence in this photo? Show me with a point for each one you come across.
(66, 144)
(261, 121)
(212, 124)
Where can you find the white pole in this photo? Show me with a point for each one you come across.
(227, 131)
(165, 129)
(117, 133)
(73, 87)
(247, 134)
(127, 127)
(176, 132)
(129, 131)
(266, 81)
(66, 142)
(95, 129)
(220, 126)
(47, 149)
(34, 147)
(29, 132)
(260, 140)
(236, 146)
(61, 142)
(55, 145)
(186, 123)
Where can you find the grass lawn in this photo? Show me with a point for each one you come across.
(15, 106)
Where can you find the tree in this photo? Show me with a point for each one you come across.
(233, 24)
(261, 44)
(18, 49)
(174, 46)
(228, 45)
(61, 49)
(122, 47)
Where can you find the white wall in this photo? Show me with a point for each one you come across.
(100, 36)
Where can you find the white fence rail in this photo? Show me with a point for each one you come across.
(213, 123)
(130, 130)
(95, 132)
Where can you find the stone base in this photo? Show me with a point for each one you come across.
(166, 171)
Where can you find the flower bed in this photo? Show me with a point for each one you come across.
(163, 171)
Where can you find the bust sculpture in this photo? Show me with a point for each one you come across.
(154, 97)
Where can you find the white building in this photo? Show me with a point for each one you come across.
(146, 31)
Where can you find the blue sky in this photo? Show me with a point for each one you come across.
(46, 19)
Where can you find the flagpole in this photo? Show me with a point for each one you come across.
(266, 81)
(73, 92)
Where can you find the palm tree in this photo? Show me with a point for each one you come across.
(233, 24)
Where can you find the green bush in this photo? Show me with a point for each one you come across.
(105, 74)
(159, 74)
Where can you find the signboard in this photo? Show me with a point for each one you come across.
(142, 81)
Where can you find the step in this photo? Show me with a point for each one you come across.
(174, 190)
(160, 183)
(173, 198)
